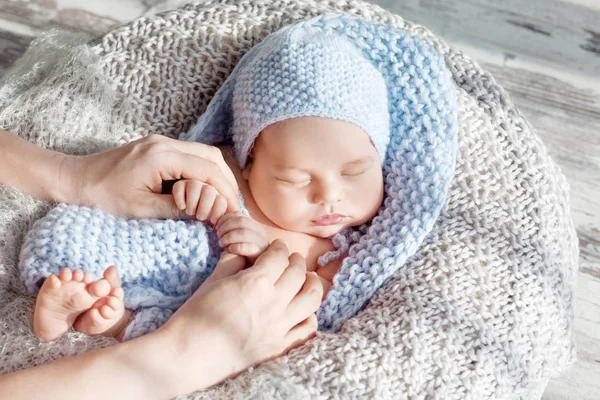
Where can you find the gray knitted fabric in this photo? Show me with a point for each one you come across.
(484, 309)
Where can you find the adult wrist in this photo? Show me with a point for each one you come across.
(42, 173)
(68, 173)
(196, 360)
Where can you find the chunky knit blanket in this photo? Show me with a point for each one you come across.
(482, 309)
(163, 262)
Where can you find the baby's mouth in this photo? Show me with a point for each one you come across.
(329, 219)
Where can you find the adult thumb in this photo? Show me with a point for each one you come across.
(229, 264)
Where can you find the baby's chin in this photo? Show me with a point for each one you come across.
(326, 232)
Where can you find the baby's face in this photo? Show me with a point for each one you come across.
(303, 169)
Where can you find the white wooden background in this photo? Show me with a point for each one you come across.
(546, 54)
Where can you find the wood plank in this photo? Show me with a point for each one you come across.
(44, 15)
(22, 20)
(563, 33)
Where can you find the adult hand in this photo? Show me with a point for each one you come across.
(236, 319)
(254, 314)
(127, 181)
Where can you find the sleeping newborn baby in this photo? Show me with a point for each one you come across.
(308, 117)
(307, 178)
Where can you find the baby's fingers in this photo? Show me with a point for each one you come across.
(241, 235)
(179, 194)
(192, 195)
(253, 241)
(245, 249)
(208, 196)
(218, 210)
(235, 220)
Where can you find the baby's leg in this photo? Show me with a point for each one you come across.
(63, 298)
(107, 316)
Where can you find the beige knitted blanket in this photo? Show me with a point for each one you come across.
(483, 310)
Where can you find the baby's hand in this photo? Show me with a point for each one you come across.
(199, 199)
(241, 235)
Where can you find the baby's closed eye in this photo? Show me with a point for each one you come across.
(354, 172)
(305, 181)
(295, 183)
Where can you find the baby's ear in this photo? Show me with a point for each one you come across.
(248, 168)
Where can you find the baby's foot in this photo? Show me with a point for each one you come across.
(108, 315)
(62, 298)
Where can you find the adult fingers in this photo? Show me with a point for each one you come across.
(293, 278)
(273, 261)
(307, 301)
(229, 264)
(301, 333)
(207, 152)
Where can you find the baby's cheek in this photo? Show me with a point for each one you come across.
(292, 211)
(290, 208)
(368, 199)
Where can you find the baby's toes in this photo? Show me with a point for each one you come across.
(112, 276)
(108, 312)
(88, 277)
(79, 300)
(51, 283)
(112, 309)
(65, 275)
(100, 288)
(118, 293)
(77, 275)
(94, 318)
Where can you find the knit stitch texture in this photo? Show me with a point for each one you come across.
(161, 259)
(161, 262)
(301, 70)
(483, 309)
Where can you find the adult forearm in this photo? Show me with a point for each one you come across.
(144, 368)
(33, 170)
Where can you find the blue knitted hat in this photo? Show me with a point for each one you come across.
(298, 72)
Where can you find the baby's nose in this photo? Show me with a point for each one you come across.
(329, 194)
